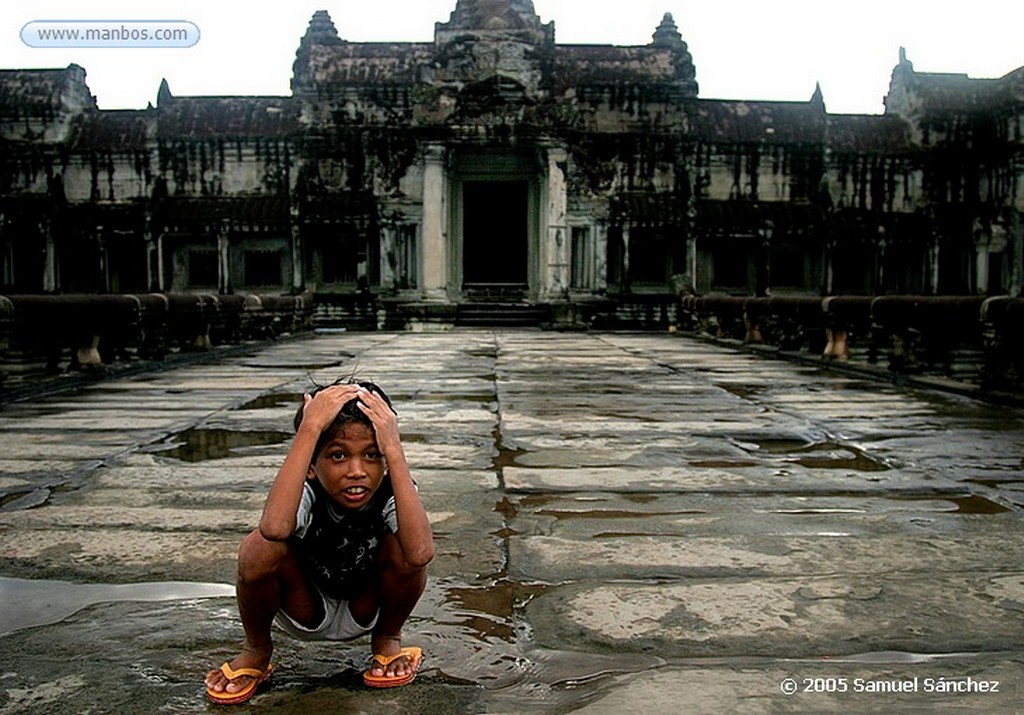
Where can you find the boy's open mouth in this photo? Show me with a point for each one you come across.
(356, 493)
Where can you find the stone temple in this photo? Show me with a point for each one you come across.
(412, 182)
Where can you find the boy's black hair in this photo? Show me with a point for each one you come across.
(348, 413)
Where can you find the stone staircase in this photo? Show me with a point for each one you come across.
(499, 304)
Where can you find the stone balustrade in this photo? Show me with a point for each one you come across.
(975, 340)
(51, 334)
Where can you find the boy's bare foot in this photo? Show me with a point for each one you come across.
(246, 664)
(392, 664)
(399, 667)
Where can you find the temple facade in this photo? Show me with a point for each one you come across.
(493, 165)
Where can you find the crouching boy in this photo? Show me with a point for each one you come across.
(342, 547)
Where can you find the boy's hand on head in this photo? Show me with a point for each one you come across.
(385, 424)
(320, 410)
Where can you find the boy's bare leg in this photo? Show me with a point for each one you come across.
(399, 590)
(269, 579)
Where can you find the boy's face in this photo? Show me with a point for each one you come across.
(349, 466)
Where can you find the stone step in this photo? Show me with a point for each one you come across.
(501, 314)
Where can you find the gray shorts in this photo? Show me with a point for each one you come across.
(337, 625)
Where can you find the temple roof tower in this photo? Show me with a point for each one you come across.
(321, 31)
(505, 19)
(667, 37)
(500, 44)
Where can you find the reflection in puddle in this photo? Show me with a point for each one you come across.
(29, 603)
(491, 610)
(197, 445)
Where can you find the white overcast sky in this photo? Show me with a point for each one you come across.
(743, 49)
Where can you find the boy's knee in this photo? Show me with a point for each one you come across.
(258, 556)
(394, 559)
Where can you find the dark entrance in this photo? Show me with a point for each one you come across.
(494, 232)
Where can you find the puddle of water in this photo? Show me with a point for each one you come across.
(724, 464)
(198, 445)
(739, 390)
(272, 400)
(975, 504)
(611, 513)
(809, 454)
(490, 610)
(897, 657)
(640, 498)
(997, 483)
(836, 459)
(959, 503)
(533, 501)
(29, 603)
(506, 456)
(774, 445)
(506, 508)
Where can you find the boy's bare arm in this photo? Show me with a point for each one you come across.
(414, 534)
(278, 520)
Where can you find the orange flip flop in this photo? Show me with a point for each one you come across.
(415, 656)
(240, 696)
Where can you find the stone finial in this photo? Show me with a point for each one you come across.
(163, 95)
(667, 34)
(818, 98)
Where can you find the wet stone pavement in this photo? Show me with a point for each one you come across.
(624, 523)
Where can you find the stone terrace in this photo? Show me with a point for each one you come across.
(625, 523)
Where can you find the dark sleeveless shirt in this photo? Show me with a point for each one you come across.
(338, 550)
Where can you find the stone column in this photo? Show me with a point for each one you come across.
(981, 269)
(763, 279)
(625, 284)
(49, 258)
(554, 249)
(147, 240)
(223, 258)
(103, 253)
(1015, 244)
(828, 267)
(298, 264)
(600, 255)
(434, 257)
(933, 265)
(691, 259)
(880, 246)
(389, 257)
(160, 263)
(7, 259)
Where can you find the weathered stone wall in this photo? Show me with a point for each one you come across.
(637, 186)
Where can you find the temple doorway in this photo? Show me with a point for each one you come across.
(495, 232)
